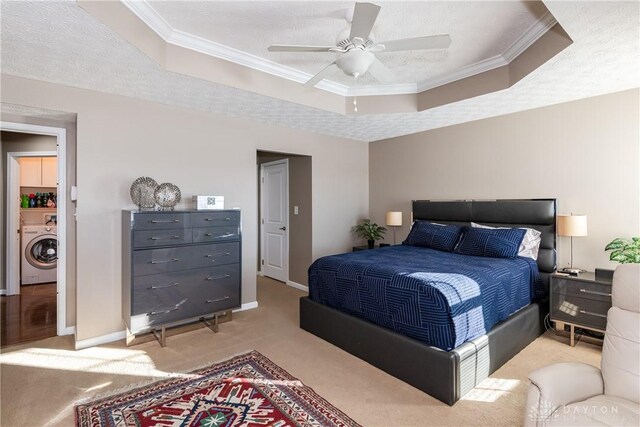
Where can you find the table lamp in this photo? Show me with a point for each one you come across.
(572, 226)
(394, 220)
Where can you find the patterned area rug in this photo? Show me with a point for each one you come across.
(247, 390)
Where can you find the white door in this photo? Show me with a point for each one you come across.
(13, 224)
(275, 220)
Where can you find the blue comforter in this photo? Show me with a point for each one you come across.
(440, 298)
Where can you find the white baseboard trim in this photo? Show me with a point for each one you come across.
(115, 336)
(104, 339)
(297, 286)
(260, 273)
(247, 306)
(3, 291)
(69, 330)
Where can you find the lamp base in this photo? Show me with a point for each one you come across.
(572, 271)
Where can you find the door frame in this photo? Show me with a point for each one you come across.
(13, 223)
(261, 221)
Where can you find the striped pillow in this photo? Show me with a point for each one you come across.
(435, 236)
(491, 242)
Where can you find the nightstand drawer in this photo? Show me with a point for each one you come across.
(589, 290)
(579, 311)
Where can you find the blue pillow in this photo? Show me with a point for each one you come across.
(434, 236)
(491, 242)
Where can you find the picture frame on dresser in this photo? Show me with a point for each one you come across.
(179, 267)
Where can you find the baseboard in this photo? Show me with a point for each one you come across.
(3, 291)
(103, 339)
(115, 336)
(69, 330)
(247, 306)
(297, 286)
(260, 273)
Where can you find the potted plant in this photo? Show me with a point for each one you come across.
(624, 251)
(370, 231)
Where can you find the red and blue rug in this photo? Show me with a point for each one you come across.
(247, 390)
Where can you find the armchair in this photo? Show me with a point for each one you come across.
(577, 394)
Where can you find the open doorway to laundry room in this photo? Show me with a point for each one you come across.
(284, 217)
(31, 214)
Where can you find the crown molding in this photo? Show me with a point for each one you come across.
(145, 12)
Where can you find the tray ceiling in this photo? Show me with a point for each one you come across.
(61, 43)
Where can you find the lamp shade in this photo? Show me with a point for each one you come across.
(572, 225)
(394, 219)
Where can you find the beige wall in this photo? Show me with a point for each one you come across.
(301, 225)
(120, 139)
(584, 153)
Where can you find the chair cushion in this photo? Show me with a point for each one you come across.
(626, 288)
(621, 354)
(600, 410)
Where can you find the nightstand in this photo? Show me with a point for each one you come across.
(580, 301)
(364, 248)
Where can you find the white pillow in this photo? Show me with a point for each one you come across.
(530, 242)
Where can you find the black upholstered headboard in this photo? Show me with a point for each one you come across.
(539, 214)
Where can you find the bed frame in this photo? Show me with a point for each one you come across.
(448, 375)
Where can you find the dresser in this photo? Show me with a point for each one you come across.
(580, 301)
(179, 266)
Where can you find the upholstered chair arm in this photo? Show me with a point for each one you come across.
(557, 385)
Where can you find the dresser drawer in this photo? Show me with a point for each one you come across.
(161, 315)
(580, 311)
(589, 290)
(147, 238)
(162, 221)
(214, 219)
(155, 261)
(217, 290)
(160, 290)
(215, 254)
(215, 234)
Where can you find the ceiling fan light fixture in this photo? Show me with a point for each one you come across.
(355, 62)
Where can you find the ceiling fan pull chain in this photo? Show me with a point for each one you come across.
(355, 98)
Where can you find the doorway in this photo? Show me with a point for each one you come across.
(285, 217)
(34, 279)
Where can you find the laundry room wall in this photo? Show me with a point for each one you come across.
(12, 142)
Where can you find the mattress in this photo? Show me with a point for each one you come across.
(440, 298)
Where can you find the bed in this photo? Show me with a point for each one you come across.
(448, 320)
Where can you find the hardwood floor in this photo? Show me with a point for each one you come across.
(29, 316)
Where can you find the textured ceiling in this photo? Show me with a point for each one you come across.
(479, 30)
(59, 42)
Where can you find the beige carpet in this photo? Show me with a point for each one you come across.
(42, 381)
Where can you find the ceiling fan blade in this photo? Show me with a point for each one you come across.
(298, 48)
(364, 16)
(380, 72)
(320, 76)
(418, 43)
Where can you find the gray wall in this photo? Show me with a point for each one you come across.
(585, 153)
(300, 226)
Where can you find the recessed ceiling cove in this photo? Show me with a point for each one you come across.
(228, 43)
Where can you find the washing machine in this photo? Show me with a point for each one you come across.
(39, 254)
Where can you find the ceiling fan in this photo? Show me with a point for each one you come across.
(357, 47)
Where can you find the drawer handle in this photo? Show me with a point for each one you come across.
(165, 238)
(219, 253)
(169, 310)
(222, 276)
(595, 293)
(213, 219)
(158, 221)
(209, 301)
(165, 261)
(227, 234)
(591, 313)
(171, 285)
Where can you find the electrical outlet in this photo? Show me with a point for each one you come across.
(295, 210)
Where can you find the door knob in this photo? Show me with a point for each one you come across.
(283, 228)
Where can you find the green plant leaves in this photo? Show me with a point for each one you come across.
(369, 230)
(624, 251)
